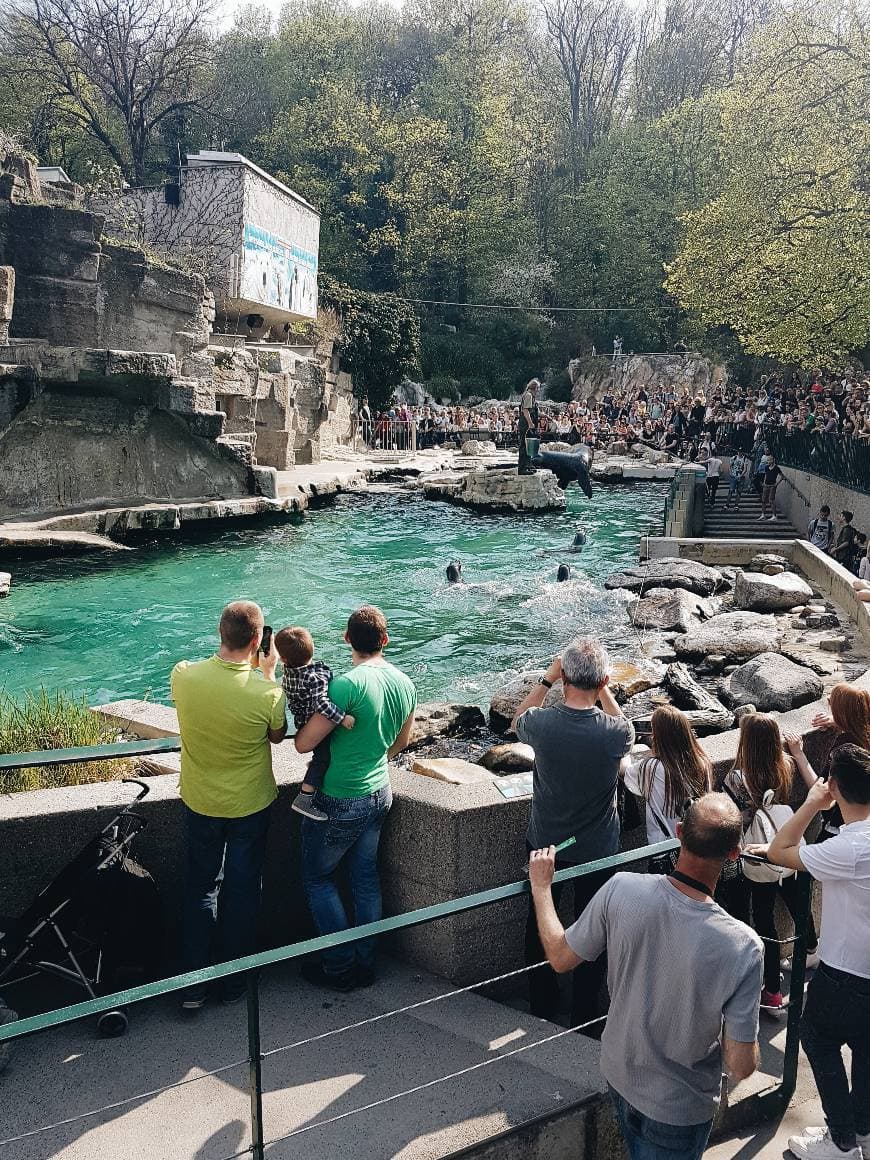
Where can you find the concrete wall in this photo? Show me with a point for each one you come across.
(800, 509)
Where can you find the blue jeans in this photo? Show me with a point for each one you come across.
(222, 893)
(648, 1139)
(352, 832)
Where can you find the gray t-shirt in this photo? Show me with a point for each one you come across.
(577, 756)
(676, 967)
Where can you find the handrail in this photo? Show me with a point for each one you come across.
(84, 753)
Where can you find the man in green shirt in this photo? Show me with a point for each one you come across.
(229, 710)
(356, 796)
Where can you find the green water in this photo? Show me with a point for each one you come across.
(114, 627)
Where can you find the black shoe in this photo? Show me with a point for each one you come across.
(313, 972)
(365, 976)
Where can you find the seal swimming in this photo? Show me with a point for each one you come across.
(454, 572)
(563, 574)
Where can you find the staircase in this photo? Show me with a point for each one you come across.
(721, 523)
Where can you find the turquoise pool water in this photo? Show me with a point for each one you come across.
(112, 628)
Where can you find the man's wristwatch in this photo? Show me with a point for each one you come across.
(543, 681)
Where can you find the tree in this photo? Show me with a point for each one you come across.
(782, 254)
(122, 68)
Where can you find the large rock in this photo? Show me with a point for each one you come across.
(706, 712)
(670, 572)
(451, 769)
(628, 679)
(773, 683)
(732, 634)
(479, 447)
(668, 609)
(435, 719)
(507, 699)
(758, 592)
(510, 758)
(501, 490)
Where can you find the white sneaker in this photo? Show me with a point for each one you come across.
(816, 1144)
(864, 1145)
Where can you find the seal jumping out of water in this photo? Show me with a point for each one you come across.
(454, 572)
(568, 467)
(563, 574)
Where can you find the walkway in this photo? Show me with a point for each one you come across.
(743, 523)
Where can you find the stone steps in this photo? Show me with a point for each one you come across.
(721, 523)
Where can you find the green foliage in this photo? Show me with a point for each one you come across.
(492, 354)
(781, 254)
(380, 338)
(54, 721)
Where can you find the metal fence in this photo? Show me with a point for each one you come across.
(839, 458)
(771, 1103)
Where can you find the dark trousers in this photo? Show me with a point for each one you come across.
(712, 488)
(524, 463)
(222, 894)
(837, 1012)
(587, 978)
(319, 764)
(763, 896)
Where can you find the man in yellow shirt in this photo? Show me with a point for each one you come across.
(229, 710)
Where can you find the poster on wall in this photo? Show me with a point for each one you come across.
(277, 273)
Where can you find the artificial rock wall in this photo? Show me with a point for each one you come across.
(594, 376)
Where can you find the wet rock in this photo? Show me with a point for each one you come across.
(5, 583)
(670, 572)
(820, 620)
(688, 695)
(834, 644)
(711, 666)
(773, 683)
(435, 719)
(743, 711)
(510, 758)
(506, 700)
(759, 593)
(732, 634)
(628, 680)
(669, 608)
(451, 769)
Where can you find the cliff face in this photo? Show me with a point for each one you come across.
(593, 377)
(110, 388)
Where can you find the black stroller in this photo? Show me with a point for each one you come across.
(98, 925)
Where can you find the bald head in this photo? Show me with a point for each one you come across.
(241, 625)
(711, 827)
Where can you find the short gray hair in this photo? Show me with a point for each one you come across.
(585, 664)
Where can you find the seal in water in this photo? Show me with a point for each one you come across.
(454, 572)
(579, 541)
(563, 574)
(568, 467)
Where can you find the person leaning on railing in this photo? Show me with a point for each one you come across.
(678, 966)
(228, 714)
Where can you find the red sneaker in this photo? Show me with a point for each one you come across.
(771, 1001)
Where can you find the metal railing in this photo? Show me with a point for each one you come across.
(839, 458)
(249, 966)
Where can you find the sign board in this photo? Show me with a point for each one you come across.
(278, 273)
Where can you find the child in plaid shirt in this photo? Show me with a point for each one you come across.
(306, 685)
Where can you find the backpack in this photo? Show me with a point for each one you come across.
(760, 832)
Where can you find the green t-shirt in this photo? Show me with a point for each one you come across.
(381, 699)
(224, 711)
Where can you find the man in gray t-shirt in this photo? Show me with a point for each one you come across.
(578, 747)
(678, 966)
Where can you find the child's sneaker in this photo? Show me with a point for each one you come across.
(303, 804)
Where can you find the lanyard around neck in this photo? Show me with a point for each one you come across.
(679, 876)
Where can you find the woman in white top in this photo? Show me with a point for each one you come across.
(676, 772)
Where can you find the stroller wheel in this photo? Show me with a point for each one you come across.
(112, 1024)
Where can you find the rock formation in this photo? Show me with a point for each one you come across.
(669, 572)
(772, 682)
(733, 634)
(757, 592)
(499, 491)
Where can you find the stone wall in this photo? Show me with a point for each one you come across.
(801, 501)
(592, 376)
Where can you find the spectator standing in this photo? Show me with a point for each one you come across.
(770, 482)
(714, 468)
(739, 471)
(365, 422)
(845, 545)
(578, 749)
(820, 531)
(355, 797)
(229, 710)
(837, 1011)
(679, 966)
(676, 772)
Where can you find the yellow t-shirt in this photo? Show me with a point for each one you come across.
(224, 711)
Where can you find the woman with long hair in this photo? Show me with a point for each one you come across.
(676, 772)
(850, 720)
(762, 776)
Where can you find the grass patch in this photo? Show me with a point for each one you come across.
(55, 721)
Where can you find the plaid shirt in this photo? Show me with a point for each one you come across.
(307, 691)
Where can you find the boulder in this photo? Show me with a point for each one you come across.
(773, 683)
(668, 608)
(743, 711)
(5, 583)
(451, 769)
(435, 719)
(759, 593)
(509, 758)
(505, 701)
(505, 490)
(834, 644)
(669, 572)
(479, 447)
(762, 560)
(565, 448)
(731, 634)
(819, 620)
(705, 711)
(628, 679)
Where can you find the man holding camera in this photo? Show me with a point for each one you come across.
(229, 711)
(578, 746)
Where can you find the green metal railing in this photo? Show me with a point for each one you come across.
(250, 965)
